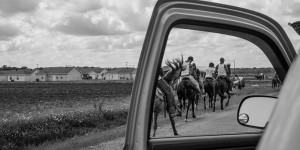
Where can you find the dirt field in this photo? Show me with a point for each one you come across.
(23, 100)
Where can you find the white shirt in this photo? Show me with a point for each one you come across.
(209, 72)
(186, 68)
(221, 70)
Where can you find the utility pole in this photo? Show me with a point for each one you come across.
(126, 64)
(233, 65)
(37, 66)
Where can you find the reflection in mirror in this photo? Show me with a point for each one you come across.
(255, 111)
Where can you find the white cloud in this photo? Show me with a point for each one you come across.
(111, 32)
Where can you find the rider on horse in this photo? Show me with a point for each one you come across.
(209, 72)
(223, 71)
(187, 73)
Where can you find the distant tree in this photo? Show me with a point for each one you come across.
(24, 67)
(4, 67)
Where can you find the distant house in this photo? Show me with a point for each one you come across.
(18, 75)
(101, 73)
(94, 72)
(3, 76)
(120, 74)
(112, 74)
(58, 74)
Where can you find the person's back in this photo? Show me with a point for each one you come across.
(222, 70)
(209, 72)
(185, 68)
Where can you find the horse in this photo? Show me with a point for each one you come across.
(219, 88)
(275, 82)
(208, 87)
(186, 90)
(162, 100)
(260, 77)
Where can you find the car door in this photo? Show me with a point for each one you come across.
(204, 16)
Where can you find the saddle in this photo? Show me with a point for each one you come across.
(221, 77)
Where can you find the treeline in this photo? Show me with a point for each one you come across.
(253, 70)
(5, 67)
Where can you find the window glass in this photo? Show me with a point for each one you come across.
(245, 67)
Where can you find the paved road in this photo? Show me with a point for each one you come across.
(206, 123)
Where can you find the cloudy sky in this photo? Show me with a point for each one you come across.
(109, 33)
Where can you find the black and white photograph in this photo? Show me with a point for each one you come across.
(149, 74)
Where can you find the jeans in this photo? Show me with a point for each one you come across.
(167, 90)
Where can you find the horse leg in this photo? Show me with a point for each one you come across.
(214, 103)
(197, 101)
(227, 103)
(193, 109)
(155, 124)
(180, 98)
(204, 102)
(173, 124)
(222, 98)
(187, 111)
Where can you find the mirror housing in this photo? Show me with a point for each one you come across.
(255, 111)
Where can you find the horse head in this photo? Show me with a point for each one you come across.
(175, 69)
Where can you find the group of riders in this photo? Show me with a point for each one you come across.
(220, 71)
(165, 100)
(189, 71)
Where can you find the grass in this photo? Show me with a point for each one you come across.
(21, 133)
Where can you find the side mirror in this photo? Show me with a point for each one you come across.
(255, 111)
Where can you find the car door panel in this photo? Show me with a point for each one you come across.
(241, 142)
(209, 17)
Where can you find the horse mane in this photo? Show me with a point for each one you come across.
(175, 64)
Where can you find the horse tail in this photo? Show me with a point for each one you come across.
(185, 92)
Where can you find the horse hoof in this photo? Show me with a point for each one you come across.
(194, 116)
(176, 134)
(185, 120)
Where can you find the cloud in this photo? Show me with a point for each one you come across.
(84, 25)
(10, 7)
(7, 32)
(209, 47)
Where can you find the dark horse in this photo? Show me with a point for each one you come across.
(186, 90)
(161, 101)
(220, 88)
(208, 87)
(275, 82)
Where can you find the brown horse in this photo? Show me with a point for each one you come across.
(220, 88)
(164, 99)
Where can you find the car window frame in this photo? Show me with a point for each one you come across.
(139, 120)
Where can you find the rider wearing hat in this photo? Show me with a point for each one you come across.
(186, 73)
